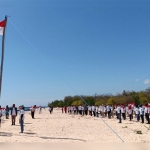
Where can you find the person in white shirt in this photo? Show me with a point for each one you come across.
(119, 113)
(97, 111)
(74, 109)
(112, 111)
(108, 111)
(141, 109)
(0, 115)
(137, 112)
(21, 118)
(82, 108)
(93, 110)
(71, 110)
(105, 111)
(130, 112)
(123, 111)
(90, 110)
(102, 111)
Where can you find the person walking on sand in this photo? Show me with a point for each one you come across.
(0, 115)
(21, 119)
(13, 114)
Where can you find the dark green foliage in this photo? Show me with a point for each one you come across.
(125, 97)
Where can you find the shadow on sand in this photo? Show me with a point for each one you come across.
(44, 137)
(6, 134)
(30, 133)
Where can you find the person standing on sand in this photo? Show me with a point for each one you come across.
(21, 119)
(33, 111)
(0, 115)
(147, 113)
(141, 109)
(50, 109)
(62, 109)
(130, 112)
(123, 111)
(137, 112)
(86, 110)
(119, 113)
(7, 112)
(13, 114)
(108, 111)
(65, 109)
(40, 109)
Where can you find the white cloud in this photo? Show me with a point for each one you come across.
(137, 80)
(147, 81)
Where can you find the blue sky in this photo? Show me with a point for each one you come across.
(56, 48)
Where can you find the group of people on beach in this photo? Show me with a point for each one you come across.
(13, 112)
(141, 112)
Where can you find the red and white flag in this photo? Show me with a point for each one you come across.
(2, 25)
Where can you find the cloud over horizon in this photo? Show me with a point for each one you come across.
(136, 80)
(147, 81)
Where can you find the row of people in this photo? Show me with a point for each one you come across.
(121, 111)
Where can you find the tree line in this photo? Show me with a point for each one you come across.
(124, 98)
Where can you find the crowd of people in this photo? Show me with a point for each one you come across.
(121, 112)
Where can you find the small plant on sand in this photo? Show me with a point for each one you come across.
(124, 127)
(138, 132)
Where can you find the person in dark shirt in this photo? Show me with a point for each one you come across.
(13, 114)
(7, 112)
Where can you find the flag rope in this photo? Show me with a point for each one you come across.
(112, 129)
(61, 76)
(45, 60)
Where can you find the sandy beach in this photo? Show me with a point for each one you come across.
(65, 128)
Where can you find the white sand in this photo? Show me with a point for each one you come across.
(64, 128)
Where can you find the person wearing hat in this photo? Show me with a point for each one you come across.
(21, 119)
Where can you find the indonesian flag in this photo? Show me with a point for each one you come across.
(129, 106)
(2, 25)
